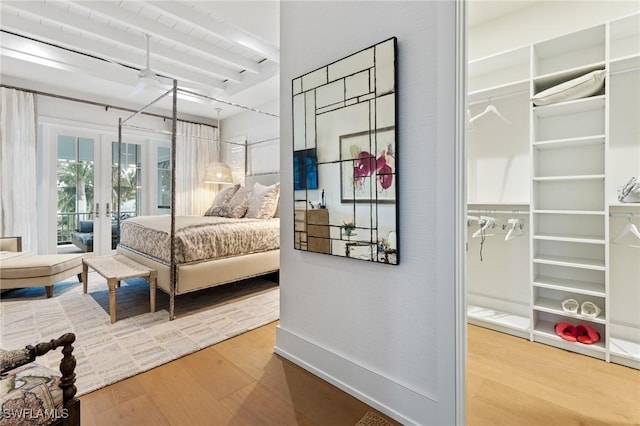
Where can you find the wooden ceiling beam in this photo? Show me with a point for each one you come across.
(219, 29)
(160, 31)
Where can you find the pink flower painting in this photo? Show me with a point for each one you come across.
(366, 176)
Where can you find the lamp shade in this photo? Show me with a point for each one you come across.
(218, 173)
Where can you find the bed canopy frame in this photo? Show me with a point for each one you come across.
(123, 123)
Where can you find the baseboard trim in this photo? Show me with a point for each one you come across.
(364, 384)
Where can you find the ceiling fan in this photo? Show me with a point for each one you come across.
(146, 77)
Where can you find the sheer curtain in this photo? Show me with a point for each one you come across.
(18, 160)
(196, 146)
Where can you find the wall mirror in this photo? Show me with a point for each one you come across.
(344, 157)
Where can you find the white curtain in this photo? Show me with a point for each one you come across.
(196, 147)
(18, 160)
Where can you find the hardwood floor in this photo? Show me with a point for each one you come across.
(510, 381)
(237, 382)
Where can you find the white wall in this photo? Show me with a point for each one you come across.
(541, 21)
(261, 130)
(385, 334)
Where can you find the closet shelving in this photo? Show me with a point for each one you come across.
(499, 75)
(568, 155)
(580, 151)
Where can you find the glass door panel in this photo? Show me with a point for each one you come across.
(75, 170)
(126, 186)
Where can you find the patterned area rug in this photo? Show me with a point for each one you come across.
(139, 340)
(373, 419)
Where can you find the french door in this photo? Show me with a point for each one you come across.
(78, 188)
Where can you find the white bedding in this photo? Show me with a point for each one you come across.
(199, 238)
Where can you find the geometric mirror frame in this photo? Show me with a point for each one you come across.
(345, 157)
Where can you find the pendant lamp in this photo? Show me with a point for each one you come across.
(218, 172)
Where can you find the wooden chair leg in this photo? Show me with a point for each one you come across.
(49, 290)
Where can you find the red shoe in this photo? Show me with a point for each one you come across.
(587, 335)
(566, 331)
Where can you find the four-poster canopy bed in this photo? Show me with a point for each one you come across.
(191, 253)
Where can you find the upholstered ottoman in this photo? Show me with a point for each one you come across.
(23, 269)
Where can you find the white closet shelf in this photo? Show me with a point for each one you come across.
(571, 262)
(587, 239)
(544, 304)
(626, 63)
(584, 212)
(504, 319)
(567, 178)
(570, 107)
(551, 79)
(573, 286)
(547, 329)
(499, 61)
(570, 142)
(624, 348)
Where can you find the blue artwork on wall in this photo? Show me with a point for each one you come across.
(305, 169)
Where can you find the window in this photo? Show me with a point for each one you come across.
(130, 179)
(164, 178)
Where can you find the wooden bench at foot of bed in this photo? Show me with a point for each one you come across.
(115, 268)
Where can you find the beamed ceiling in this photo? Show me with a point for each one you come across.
(228, 50)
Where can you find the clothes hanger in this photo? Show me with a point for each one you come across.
(515, 229)
(490, 109)
(485, 223)
(630, 228)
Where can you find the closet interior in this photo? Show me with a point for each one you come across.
(553, 246)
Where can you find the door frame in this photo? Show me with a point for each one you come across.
(460, 231)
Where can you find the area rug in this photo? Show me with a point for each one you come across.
(138, 340)
(373, 419)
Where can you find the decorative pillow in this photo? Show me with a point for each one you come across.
(222, 198)
(220, 211)
(263, 202)
(238, 204)
(581, 87)
(85, 226)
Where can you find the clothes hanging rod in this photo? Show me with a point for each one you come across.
(94, 103)
(486, 99)
(629, 215)
(488, 211)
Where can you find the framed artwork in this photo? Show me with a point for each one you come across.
(368, 166)
(305, 169)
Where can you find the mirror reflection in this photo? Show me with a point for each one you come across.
(344, 157)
